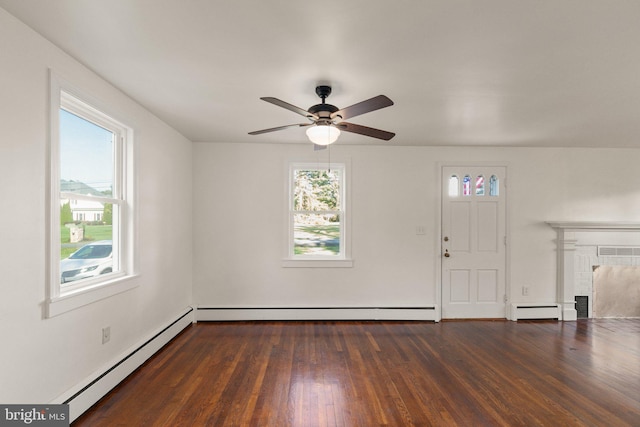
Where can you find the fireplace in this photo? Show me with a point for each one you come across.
(583, 246)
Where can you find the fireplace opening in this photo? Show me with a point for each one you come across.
(616, 291)
(582, 306)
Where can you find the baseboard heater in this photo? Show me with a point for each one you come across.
(86, 394)
(536, 311)
(204, 313)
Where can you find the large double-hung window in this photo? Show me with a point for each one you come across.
(91, 203)
(317, 214)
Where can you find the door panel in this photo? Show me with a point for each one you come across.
(473, 242)
(461, 227)
(488, 231)
(460, 286)
(487, 286)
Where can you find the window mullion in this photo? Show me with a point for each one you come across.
(76, 196)
(327, 212)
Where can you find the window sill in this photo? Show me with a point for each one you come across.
(317, 263)
(75, 299)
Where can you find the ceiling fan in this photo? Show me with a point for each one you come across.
(326, 120)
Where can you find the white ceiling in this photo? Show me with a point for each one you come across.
(556, 73)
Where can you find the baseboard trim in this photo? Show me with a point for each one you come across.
(535, 311)
(209, 314)
(90, 391)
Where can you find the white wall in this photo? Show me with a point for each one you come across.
(240, 203)
(42, 358)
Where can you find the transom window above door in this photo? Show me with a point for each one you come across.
(468, 185)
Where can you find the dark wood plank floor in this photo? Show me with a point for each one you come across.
(473, 373)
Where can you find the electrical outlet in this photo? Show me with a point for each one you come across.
(420, 229)
(106, 334)
(525, 291)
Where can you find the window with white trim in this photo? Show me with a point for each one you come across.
(91, 195)
(317, 212)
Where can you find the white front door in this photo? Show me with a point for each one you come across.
(473, 242)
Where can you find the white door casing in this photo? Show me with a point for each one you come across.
(473, 242)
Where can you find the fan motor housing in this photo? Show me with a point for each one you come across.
(323, 110)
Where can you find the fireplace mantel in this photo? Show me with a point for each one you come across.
(574, 233)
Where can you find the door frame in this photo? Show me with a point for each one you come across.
(507, 224)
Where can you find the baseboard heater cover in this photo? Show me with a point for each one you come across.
(209, 314)
(536, 311)
(87, 393)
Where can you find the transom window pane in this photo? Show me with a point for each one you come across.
(494, 187)
(466, 185)
(454, 186)
(480, 185)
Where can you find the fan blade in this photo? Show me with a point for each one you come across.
(367, 106)
(366, 131)
(317, 147)
(298, 110)
(258, 132)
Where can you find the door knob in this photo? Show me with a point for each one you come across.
(446, 239)
(446, 253)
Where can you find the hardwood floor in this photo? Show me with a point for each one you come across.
(471, 373)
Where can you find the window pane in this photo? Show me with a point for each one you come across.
(86, 226)
(454, 183)
(316, 234)
(494, 186)
(466, 185)
(316, 190)
(480, 185)
(86, 156)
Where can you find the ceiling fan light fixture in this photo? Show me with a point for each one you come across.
(323, 134)
(323, 130)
